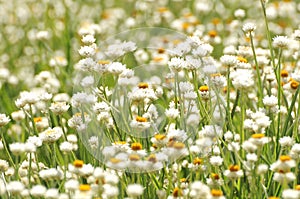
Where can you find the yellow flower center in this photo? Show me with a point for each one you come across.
(160, 136)
(162, 9)
(141, 119)
(215, 176)
(84, 187)
(284, 73)
(78, 163)
(216, 192)
(143, 85)
(120, 142)
(158, 59)
(197, 161)
(136, 146)
(37, 119)
(284, 158)
(212, 33)
(294, 84)
(242, 59)
(114, 160)
(234, 168)
(152, 158)
(258, 135)
(161, 50)
(179, 145)
(203, 88)
(103, 62)
(215, 75)
(183, 180)
(297, 187)
(185, 25)
(134, 157)
(215, 21)
(177, 192)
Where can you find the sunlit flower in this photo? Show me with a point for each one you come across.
(4, 120)
(233, 172)
(51, 135)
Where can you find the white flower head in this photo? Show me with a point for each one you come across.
(4, 120)
(249, 27)
(134, 190)
(281, 42)
(51, 135)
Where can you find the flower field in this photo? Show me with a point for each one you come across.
(168, 99)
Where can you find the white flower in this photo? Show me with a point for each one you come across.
(228, 60)
(87, 81)
(172, 113)
(119, 49)
(93, 142)
(134, 190)
(116, 68)
(281, 41)
(233, 172)
(4, 120)
(242, 78)
(43, 35)
(284, 177)
(15, 187)
(17, 115)
(216, 160)
(211, 131)
(270, 101)
(177, 64)
(177, 134)
(199, 190)
(86, 64)
(202, 50)
(262, 169)
(88, 39)
(100, 107)
(239, 13)
(295, 151)
(3, 165)
(17, 148)
(296, 34)
(182, 48)
(286, 141)
(283, 165)
(82, 98)
(51, 174)
(111, 179)
(52, 194)
(66, 147)
(38, 191)
(87, 51)
(110, 191)
(228, 136)
(249, 27)
(51, 135)
(71, 185)
(290, 194)
(59, 107)
(251, 157)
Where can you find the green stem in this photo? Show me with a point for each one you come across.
(229, 126)
(7, 151)
(268, 33)
(260, 88)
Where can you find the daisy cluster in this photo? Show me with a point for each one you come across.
(149, 99)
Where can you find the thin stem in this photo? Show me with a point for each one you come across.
(260, 88)
(268, 33)
(229, 126)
